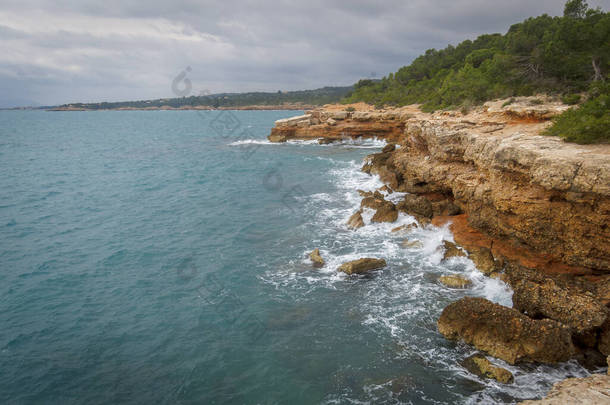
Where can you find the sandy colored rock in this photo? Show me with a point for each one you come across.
(593, 390)
(542, 201)
(483, 260)
(504, 332)
(416, 205)
(451, 250)
(581, 312)
(355, 221)
(385, 213)
(362, 266)
(316, 259)
(479, 365)
(453, 281)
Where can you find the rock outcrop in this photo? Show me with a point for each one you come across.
(505, 333)
(451, 250)
(316, 259)
(454, 281)
(362, 266)
(537, 200)
(581, 312)
(594, 389)
(479, 365)
(355, 221)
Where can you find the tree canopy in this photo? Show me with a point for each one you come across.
(541, 54)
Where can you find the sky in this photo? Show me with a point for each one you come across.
(64, 51)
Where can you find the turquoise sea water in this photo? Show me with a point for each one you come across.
(161, 257)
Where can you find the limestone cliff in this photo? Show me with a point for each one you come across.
(526, 198)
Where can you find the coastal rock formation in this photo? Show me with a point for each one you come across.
(385, 210)
(316, 259)
(594, 389)
(355, 221)
(504, 332)
(451, 250)
(535, 200)
(362, 266)
(479, 365)
(454, 281)
(581, 312)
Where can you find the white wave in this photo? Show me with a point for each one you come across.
(252, 142)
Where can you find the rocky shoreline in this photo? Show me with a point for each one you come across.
(528, 209)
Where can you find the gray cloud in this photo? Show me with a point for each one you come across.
(66, 50)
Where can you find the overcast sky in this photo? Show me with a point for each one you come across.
(62, 51)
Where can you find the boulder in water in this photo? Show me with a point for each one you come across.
(505, 333)
(479, 365)
(355, 221)
(316, 259)
(361, 266)
(454, 281)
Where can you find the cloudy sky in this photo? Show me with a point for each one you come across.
(62, 51)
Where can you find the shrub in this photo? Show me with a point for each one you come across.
(571, 99)
(588, 123)
(350, 109)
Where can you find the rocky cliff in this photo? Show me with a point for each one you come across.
(526, 198)
(529, 209)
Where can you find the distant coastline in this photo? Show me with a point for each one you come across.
(295, 107)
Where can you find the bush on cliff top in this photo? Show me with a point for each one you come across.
(543, 54)
(589, 123)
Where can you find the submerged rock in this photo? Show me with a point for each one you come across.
(581, 312)
(594, 389)
(355, 221)
(454, 281)
(451, 250)
(504, 332)
(361, 266)
(479, 365)
(316, 259)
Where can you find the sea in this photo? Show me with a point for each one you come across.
(161, 257)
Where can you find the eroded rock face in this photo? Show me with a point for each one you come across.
(581, 312)
(479, 365)
(594, 389)
(316, 259)
(362, 266)
(545, 200)
(504, 332)
(416, 205)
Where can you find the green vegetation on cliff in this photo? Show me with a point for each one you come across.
(589, 123)
(542, 54)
